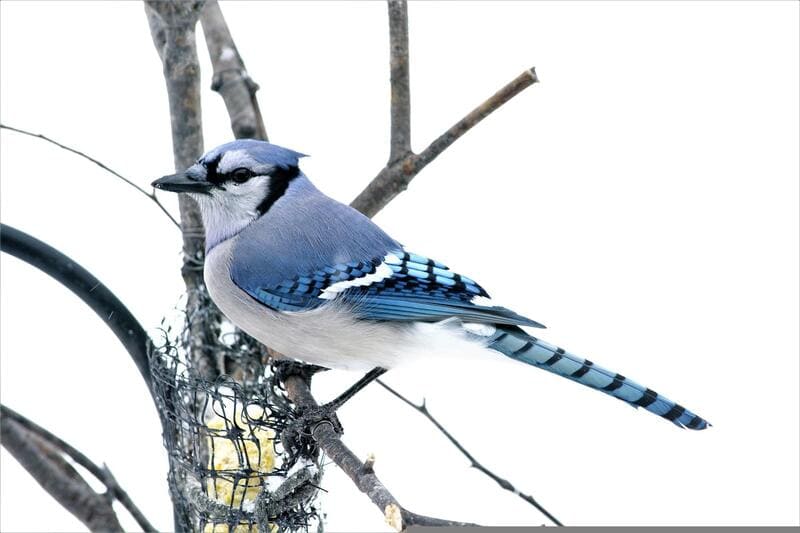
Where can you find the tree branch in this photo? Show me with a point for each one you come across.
(103, 474)
(173, 30)
(234, 85)
(150, 195)
(400, 144)
(172, 26)
(57, 476)
(364, 478)
(513, 88)
(84, 285)
(394, 178)
(423, 409)
(230, 79)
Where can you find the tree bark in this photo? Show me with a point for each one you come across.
(230, 78)
(172, 25)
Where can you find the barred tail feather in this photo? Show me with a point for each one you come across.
(516, 344)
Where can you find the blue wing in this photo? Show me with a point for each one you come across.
(397, 287)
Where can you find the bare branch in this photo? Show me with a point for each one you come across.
(150, 195)
(400, 144)
(230, 79)
(175, 23)
(172, 26)
(364, 478)
(394, 179)
(57, 476)
(423, 409)
(103, 474)
(513, 88)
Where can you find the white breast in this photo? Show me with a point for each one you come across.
(330, 335)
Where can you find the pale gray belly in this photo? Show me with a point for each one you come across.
(329, 336)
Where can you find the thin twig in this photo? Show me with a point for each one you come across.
(103, 474)
(230, 77)
(511, 89)
(394, 178)
(423, 409)
(400, 144)
(298, 391)
(150, 195)
(57, 476)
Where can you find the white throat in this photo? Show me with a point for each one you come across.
(227, 212)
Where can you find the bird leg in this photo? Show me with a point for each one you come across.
(327, 412)
(283, 368)
(297, 435)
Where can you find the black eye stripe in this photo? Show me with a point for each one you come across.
(279, 180)
(213, 175)
(211, 171)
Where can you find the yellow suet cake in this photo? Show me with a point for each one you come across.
(259, 457)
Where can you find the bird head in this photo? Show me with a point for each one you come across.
(235, 183)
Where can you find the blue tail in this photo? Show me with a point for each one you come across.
(517, 344)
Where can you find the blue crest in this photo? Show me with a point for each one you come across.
(261, 151)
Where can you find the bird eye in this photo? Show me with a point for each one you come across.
(240, 175)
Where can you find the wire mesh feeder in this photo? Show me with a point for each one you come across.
(223, 415)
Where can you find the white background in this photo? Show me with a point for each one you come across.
(642, 201)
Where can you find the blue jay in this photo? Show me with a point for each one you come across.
(319, 282)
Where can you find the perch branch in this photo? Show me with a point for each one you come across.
(400, 144)
(394, 178)
(423, 409)
(44, 462)
(364, 478)
(151, 195)
(230, 78)
(103, 474)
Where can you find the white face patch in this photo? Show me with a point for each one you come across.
(226, 212)
(233, 159)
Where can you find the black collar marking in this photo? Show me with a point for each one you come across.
(279, 181)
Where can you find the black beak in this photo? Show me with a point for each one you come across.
(181, 182)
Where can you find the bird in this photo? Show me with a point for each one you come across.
(319, 282)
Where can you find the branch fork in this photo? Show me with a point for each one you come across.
(404, 164)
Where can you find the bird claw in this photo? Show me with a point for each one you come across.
(284, 368)
(298, 436)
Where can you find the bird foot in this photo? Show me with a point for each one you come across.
(298, 436)
(284, 368)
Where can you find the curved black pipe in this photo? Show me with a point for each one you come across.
(84, 285)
